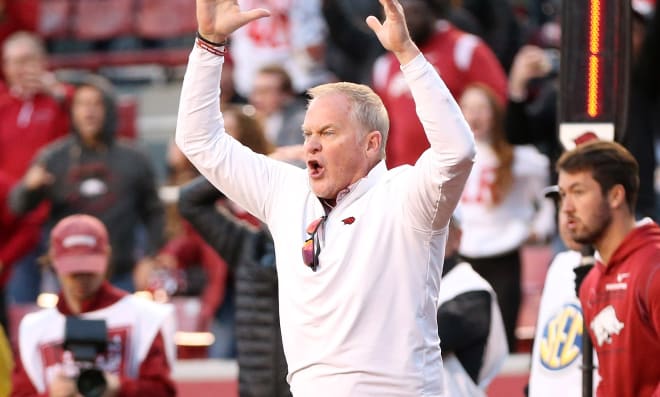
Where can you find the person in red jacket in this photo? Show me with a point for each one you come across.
(140, 349)
(459, 57)
(34, 111)
(620, 296)
(33, 104)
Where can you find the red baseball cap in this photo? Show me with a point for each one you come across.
(79, 244)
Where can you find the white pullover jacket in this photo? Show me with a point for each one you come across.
(363, 324)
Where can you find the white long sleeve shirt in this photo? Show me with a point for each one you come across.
(363, 324)
(492, 230)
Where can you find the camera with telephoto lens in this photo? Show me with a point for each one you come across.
(86, 339)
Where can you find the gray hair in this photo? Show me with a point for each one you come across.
(25, 37)
(366, 107)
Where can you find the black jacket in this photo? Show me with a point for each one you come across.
(250, 253)
(464, 325)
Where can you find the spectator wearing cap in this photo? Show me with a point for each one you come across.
(140, 348)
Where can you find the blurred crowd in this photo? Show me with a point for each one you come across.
(183, 242)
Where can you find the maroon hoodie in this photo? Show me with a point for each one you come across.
(621, 303)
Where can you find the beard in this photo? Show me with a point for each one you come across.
(589, 234)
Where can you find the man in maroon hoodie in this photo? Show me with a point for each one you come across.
(598, 185)
(140, 347)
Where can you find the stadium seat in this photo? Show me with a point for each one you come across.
(164, 19)
(103, 19)
(86, 60)
(93, 61)
(79, 22)
(54, 18)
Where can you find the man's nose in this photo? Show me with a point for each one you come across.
(566, 204)
(312, 144)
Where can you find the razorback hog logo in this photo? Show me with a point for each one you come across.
(586, 137)
(605, 324)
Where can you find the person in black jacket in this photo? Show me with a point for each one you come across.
(473, 340)
(250, 253)
(532, 107)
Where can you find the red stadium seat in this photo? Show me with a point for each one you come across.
(54, 18)
(95, 60)
(103, 19)
(91, 20)
(88, 61)
(162, 19)
(18, 15)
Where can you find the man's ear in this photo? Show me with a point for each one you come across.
(373, 141)
(617, 196)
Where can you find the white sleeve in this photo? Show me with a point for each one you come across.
(439, 175)
(245, 177)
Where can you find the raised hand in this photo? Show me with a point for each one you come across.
(530, 62)
(37, 177)
(218, 19)
(393, 32)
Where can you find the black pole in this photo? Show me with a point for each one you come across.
(581, 271)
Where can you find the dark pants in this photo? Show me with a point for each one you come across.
(503, 274)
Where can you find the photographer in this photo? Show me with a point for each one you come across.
(140, 348)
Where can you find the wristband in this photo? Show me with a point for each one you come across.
(207, 41)
(214, 48)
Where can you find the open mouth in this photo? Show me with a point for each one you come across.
(571, 223)
(314, 168)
